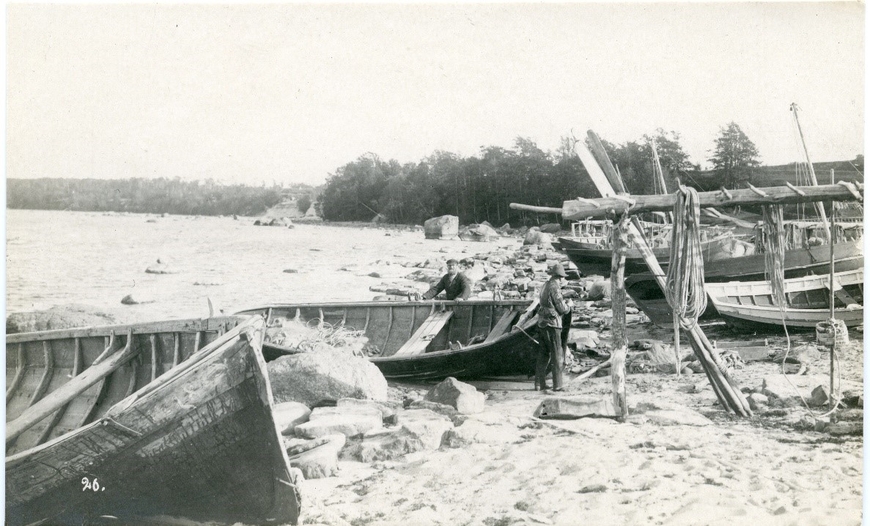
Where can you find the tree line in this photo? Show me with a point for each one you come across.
(162, 195)
(481, 187)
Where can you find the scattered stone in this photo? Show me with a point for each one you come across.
(845, 428)
(677, 417)
(535, 237)
(348, 421)
(573, 408)
(461, 396)
(551, 228)
(327, 374)
(419, 429)
(593, 488)
(320, 461)
(130, 299)
(388, 410)
(161, 267)
(288, 415)
(819, 397)
(478, 233)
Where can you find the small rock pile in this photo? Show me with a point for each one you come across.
(369, 427)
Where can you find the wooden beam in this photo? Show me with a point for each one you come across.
(601, 207)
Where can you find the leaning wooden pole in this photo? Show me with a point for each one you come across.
(619, 242)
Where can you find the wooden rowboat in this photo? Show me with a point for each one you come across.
(428, 340)
(750, 303)
(799, 262)
(160, 419)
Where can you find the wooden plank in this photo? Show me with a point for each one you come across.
(503, 325)
(430, 328)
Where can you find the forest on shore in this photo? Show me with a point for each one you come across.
(476, 188)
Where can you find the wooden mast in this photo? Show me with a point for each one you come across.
(820, 208)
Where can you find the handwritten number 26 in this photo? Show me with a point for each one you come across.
(93, 486)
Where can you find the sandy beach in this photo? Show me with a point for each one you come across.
(679, 458)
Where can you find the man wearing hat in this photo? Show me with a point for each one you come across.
(455, 284)
(552, 308)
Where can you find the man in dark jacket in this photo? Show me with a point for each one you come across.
(550, 319)
(455, 284)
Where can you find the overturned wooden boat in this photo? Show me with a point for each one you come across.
(161, 419)
(428, 340)
(799, 262)
(589, 246)
(808, 301)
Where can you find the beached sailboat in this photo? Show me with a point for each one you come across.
(589, 248)
(159, 419)
(427, 340)
(808, 301)
(808, 251)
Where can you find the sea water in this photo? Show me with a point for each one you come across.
(56, 258)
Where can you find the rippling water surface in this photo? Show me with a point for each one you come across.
(56, 258)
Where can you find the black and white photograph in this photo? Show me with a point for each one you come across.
(434, 264)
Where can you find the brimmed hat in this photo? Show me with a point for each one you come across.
(452, 261)
(557, 270)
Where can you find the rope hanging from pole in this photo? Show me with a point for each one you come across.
(685, 279)
(774, 252)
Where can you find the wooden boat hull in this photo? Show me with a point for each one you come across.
(591, 259)
(505, 350)
(198, 441)
(647, 295)
(750, 304)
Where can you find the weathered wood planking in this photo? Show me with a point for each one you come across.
(208, 449)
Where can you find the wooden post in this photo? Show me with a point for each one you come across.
(619, 243)
(831, 234)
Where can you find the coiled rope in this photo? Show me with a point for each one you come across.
(685, 280)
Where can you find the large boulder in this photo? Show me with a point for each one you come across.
(325, 375)
(478, 233)
(535, 237)
(62, 317)
(463, 397)
(441, 227)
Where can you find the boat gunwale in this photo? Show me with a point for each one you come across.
(800, 284)
(157, 327)
(522, 331)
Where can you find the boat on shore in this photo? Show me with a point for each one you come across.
(589, 249)
(799, 262)
(427, 340)
(168, 419)
(749, 304)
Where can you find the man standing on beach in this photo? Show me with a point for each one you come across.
(455, 284)
(552, 309)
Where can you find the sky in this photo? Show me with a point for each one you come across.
(289, 93)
